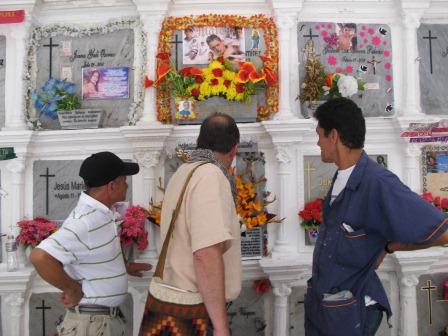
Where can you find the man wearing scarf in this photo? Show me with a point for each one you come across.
(204, 255)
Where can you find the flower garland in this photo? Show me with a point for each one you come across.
(39, 33)
(171, 24)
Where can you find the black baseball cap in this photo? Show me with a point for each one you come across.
(101, 168)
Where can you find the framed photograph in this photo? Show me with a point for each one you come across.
(105, 83)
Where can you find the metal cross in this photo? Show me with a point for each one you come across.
(311, 35)
(47, 176)
(308, 170)
(176, 48)
(43, 308)
(430, 38)
(51, 45)
(374, 62)
(429, 287)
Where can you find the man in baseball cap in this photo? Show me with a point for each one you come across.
(87, 247)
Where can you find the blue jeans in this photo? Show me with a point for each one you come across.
(374, 316)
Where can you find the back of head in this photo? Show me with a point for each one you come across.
(211, 38)
(219, 133)
(346, 117)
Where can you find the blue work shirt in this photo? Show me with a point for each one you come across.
(379, 208)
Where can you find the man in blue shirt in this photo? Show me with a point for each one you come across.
(368, 212)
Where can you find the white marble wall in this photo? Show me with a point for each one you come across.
(285, 140)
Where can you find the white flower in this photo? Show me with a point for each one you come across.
(347, 85)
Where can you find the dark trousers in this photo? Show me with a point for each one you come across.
(374, 316)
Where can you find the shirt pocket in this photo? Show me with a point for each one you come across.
(342, 317)
(352, 248)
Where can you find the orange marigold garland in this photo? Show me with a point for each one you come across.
(259, 21)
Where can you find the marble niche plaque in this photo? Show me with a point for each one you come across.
(57, 186)
(68, 55)
(319, 175)
(432, 40)
(359, 50)
(248, 154)
(2, 80)
(194, 51)
(47, 311)
(432, 309)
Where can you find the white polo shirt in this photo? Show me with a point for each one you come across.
(88, 246)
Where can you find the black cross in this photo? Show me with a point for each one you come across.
(311, 35)
(51, 45)
(43, 308)
(47, 176)
(176, 42)
(429, 37)
(429, 287)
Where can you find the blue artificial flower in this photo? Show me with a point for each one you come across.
(51, 93)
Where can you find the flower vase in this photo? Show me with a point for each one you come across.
(28, 250)
(185, 110)
(313, 233)
(128, 252)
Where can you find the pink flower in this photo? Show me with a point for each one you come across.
(132, 229)
(362, 33)
(388, 78)
(387, 53)
(363, 27)
(329, 26)
(317, 27)
(376, 40)
(324, 33)
(387, 65)
(332, 60)
(370, 31)
(33, 231)
(338, 69)
(348, 69)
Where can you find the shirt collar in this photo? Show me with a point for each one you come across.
(358, 173)
(93, 203)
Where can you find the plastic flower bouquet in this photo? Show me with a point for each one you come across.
(311, 214)
(33, 231)
(132, 228)
(56, 95)
(439, 202)
(341, 85)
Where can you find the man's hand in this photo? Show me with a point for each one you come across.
(135, 269)
(380, 258)
(71, 297)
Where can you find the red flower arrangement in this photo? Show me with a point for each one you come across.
(133, 227)
(439, 202)
(312, 214)
(261, 286)
(33, 231)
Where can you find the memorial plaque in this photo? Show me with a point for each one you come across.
(359, 50)
(432, 309)
(432, 40)
(67, 56)
(246, 314)
(248, 157)
(46, 312)
(2, 80)
(57, 186)
(319, 175)
(79, 119)
(195, 47)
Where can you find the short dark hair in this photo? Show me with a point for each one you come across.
(346, 117)
(219, 133)
(212, 37)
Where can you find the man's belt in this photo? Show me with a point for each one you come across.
(96, 310)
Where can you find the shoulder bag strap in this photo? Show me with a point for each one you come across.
(162, 257)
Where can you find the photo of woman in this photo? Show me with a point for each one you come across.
(90, 84)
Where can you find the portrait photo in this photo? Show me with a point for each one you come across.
(105, 83)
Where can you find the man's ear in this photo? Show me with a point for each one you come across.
(234, 150)
(334, 136)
